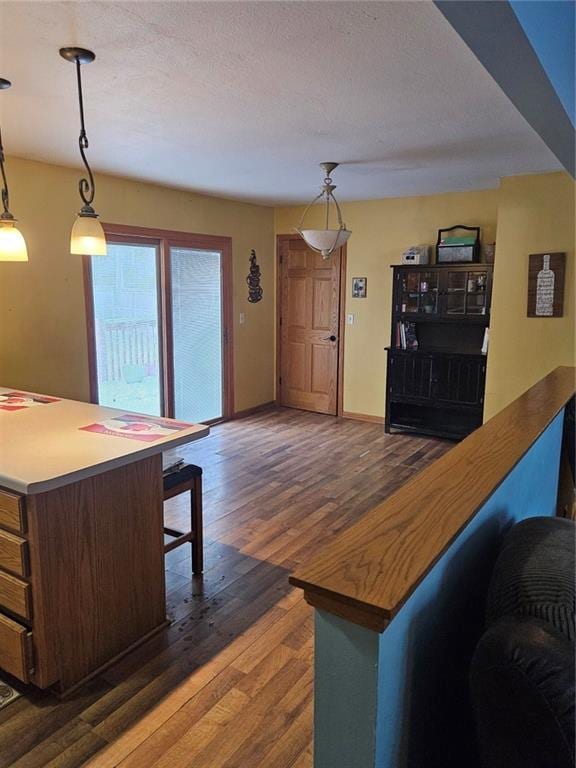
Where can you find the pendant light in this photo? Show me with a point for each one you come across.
(325, 241)
(87, 236)
(12, 244)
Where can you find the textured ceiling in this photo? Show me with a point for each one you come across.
(243, 99)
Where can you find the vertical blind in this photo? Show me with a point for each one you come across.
(197, 333)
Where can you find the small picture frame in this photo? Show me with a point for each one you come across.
(359, 287)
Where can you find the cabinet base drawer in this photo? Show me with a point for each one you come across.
(15, 595)
(13, 553)
(433, 419)
(15, 649)
(12, 513)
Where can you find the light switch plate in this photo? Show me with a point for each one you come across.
(349, 319)
(242, 318)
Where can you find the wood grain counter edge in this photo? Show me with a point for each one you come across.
(369, 571)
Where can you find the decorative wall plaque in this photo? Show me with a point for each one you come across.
(546, 284)
(255, 290)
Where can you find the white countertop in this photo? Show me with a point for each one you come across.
(43, 447)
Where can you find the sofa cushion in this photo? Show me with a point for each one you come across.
(534, 574)
(522, 686)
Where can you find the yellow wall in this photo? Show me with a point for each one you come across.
(382, 230)
(535, 214)
(42, 321)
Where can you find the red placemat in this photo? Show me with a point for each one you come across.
(18, 401)
(134, 427)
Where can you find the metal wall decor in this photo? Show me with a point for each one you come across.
(255, 290)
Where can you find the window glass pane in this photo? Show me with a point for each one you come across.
(197, 333)
(410, 292)
(428, 292)
(456, 304)
(125, 293)
(457, 281)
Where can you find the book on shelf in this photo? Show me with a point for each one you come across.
(410, 335)
(406, 337)
(486, 341)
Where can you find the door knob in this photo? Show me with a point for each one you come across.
(329, 338)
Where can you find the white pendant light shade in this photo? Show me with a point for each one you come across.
(87, 238)
(12, 243)
(325, 240)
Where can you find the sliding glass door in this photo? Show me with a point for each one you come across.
(160, 325)
(196, 299)
(126, 328)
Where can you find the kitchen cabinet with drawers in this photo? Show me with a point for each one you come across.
(81, 542)
(15, 589)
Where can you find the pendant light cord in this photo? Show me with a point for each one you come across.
(5, 193)
(86, 187)
(327, 182)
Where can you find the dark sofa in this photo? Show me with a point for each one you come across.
(522, 673)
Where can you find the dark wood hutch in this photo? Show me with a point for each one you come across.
(438, 387)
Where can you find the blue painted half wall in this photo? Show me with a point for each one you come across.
(399, 699)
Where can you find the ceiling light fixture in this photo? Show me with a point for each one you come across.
(87, 236)
(325, 241)
(12, 244)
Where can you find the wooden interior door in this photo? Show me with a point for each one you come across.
(309, 327)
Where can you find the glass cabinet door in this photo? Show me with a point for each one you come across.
(410, 295)
(428, 293)
(456, 293)
(466, 292)
(476, 293)
(419, 292)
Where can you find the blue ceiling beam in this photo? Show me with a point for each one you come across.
(550, 26)
(495, 34)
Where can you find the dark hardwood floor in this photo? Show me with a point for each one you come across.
(229, 684)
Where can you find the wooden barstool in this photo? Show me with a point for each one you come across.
(187, 477)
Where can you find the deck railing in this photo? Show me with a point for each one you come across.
(122, 343)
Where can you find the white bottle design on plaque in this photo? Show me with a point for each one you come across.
(545, 289)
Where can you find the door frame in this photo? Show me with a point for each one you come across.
(164, 239)
(280, 240)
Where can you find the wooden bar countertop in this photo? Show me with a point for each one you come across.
(368, 572)
(44, 447)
